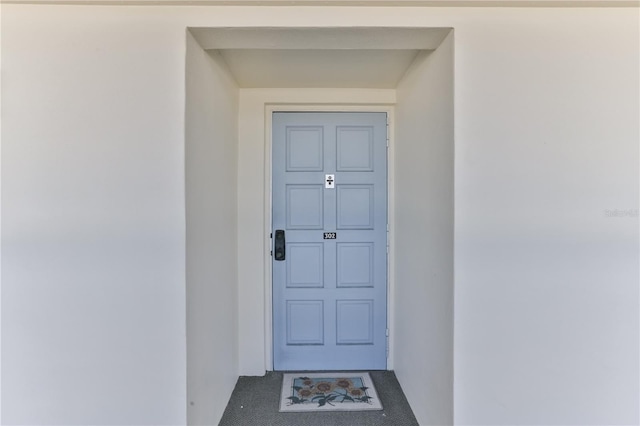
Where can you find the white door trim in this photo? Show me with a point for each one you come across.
(269, 109)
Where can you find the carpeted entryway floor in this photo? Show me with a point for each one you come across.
(255, 402)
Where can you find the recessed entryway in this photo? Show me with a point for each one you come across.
(229, 112)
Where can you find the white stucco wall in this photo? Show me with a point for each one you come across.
(546, 300)
(211, 161)
(93, 225)
(423, 238)
(93, 272)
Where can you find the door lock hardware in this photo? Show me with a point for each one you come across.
(279, 245)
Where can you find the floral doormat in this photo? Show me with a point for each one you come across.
(328, 392)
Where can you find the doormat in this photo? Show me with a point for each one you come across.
(328, 392)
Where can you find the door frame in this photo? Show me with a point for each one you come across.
(269, 109)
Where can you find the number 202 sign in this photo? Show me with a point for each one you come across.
(330, 235)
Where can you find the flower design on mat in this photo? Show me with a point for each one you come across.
(305, 392)
(324, 387)
(356, 392)
(344, 383)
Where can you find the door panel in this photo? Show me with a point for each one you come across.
(305, 206)
(329, 292)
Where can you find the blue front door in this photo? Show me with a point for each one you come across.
(329, 241)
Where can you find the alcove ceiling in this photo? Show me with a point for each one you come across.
(353, 57)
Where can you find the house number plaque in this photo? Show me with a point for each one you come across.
(330, 235)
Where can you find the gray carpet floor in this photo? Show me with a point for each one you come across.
(255, 402)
